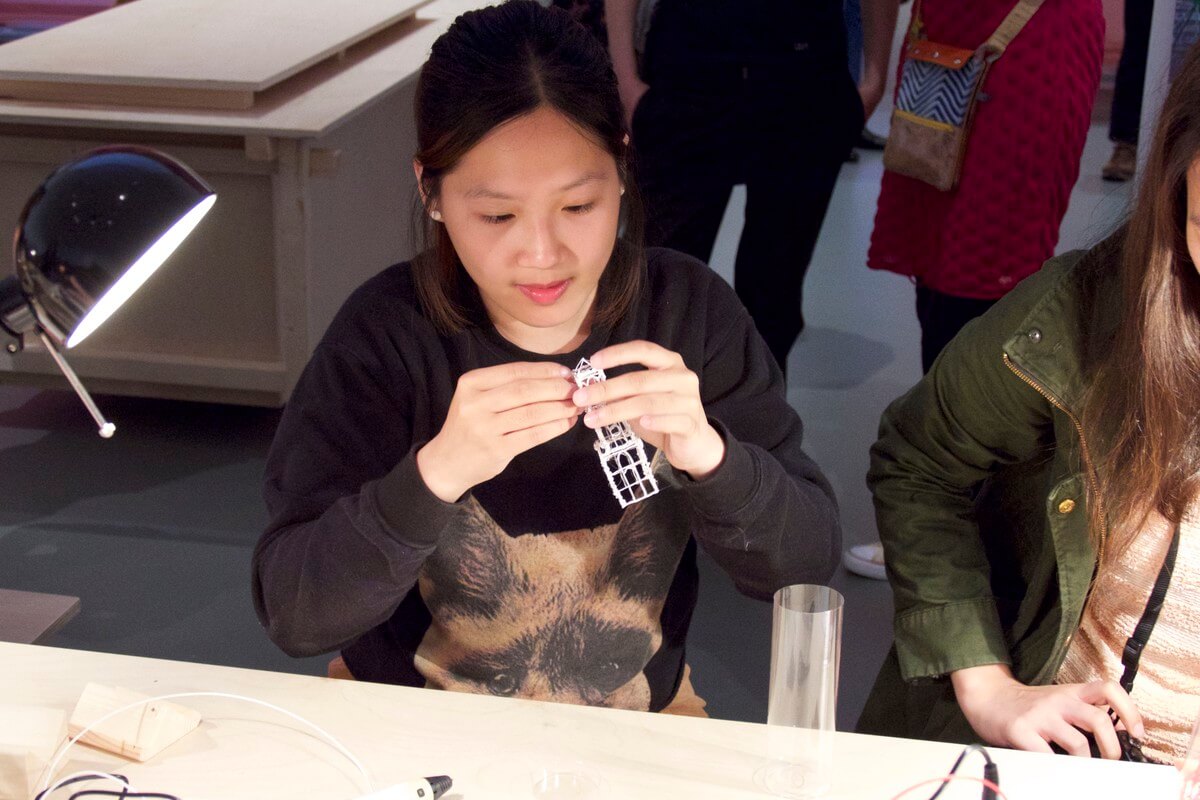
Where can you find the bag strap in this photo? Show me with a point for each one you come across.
(1141, 634)
(916, 25)
(1022, 12)
(999, 41)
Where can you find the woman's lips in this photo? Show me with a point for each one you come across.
(544, 293)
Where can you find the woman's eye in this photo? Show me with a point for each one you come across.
(581, 209)
(496, 219)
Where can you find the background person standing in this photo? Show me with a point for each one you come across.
(970, 246)
(1127, 92)
(756, 92)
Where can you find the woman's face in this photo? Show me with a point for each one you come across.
(1193, 213)
(532, 212)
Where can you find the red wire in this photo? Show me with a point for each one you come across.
(948, 779)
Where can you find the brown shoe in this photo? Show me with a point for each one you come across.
(1122, 164)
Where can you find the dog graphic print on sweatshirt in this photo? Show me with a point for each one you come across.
(572, 616)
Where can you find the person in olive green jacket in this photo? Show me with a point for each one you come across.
(1027, 461)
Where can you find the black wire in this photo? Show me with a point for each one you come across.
(990, 767)
(78, 779)
(123, 794)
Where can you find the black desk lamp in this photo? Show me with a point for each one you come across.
(90, 235)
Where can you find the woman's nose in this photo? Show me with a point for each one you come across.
(540, 245)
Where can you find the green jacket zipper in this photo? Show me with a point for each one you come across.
(1087, 455)
(1055, 662)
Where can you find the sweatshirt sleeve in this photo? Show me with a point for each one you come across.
(767, 515)
(351, 520)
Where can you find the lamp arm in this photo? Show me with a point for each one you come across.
(107, 429)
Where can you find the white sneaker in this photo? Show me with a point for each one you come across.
(865, 560)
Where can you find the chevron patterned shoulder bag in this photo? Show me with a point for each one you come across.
(935, 105)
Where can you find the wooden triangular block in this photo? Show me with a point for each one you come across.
(29, 737)
(139, 733)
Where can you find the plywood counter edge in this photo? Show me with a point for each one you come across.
(214, 125)
(128, 80)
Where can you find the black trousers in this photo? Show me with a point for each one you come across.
(1131, 73)
(942, 316)
(784, 134)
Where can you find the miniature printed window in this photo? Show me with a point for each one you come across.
(622, 452)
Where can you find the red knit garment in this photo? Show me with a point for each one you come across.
(1001, 221)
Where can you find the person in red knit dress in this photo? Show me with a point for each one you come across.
(968, 247)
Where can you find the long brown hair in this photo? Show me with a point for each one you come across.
(492, 66)
(1143, 406)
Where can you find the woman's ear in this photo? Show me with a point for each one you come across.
(419, 170)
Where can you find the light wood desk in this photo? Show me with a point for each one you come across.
(314, 180)
(490, 746)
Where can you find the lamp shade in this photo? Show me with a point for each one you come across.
(96, 229)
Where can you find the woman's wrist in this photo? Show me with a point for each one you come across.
(709, 458)
(441, 482)
(974, 683)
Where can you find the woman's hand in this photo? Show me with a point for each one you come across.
(496, 414)
(870, 91)
(661, 403)
(1008, 713)
(631, 91)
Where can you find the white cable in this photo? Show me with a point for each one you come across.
(102, 775)
(62, 751)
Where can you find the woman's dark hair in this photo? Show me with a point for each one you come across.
(492, 66)
(1144, 403)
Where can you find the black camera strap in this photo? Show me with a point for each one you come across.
(1141, 634)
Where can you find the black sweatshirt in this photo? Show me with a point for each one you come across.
(535, 583)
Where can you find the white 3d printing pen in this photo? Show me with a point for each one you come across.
(421, 789)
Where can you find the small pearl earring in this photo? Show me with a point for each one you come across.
(436, 215)
(622, 190)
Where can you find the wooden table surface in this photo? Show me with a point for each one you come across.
(494, 747)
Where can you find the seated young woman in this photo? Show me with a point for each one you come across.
(438, 512)
(1029, 488)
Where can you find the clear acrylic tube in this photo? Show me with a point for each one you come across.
(806, 651)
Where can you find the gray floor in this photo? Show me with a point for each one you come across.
(154, 529)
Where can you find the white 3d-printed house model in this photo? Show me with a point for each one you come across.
(622, 452)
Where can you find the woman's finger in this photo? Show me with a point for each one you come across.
(526, 392)
(1099, 724)
(1067, 736)
(528, 438)
(487, 378)
(673, 424)
(644, 381)
(1111, 694)
(636, 352)
(636, 407)
(533, 415)
(1025, 737)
